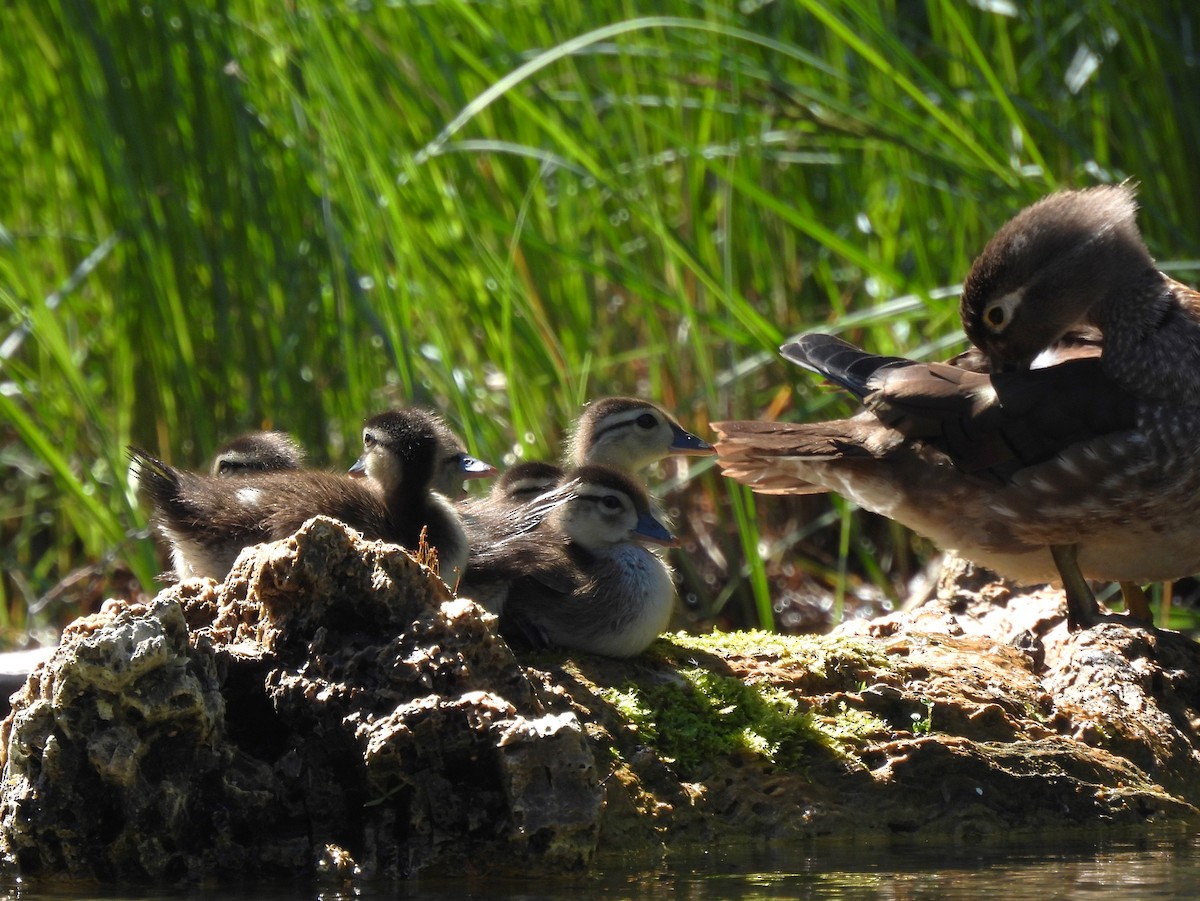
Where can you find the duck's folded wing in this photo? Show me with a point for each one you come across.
(994, 426)
(1005, 422)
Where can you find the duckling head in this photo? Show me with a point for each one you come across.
(454, 464)
(605, 507)
(257, 452)
(1047, 270)
(414, 448)
(629, 434)
(525, 481)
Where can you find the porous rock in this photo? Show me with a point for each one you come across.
(331, 709)
(328, 707)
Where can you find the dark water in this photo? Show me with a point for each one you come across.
(1157, 867)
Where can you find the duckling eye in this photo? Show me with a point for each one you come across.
(610, 502)
(995, 316)
(368, 441)
(646, 421)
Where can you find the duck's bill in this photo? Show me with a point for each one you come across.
(685, 443)
(650, 531)
(359, 469)
(476, 469)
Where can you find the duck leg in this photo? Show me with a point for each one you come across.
(1082, 609)
(1136, 602)
(1164, 604)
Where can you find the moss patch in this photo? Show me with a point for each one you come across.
(704, 715)
(820, 655)
(699, 713)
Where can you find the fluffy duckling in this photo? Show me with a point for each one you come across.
(623, 432)
(629, 434)
(571, 569)
(454, 465)
(209, 520)
(523, 482)
(257, 452)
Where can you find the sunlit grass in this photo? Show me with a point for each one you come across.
(296, 214)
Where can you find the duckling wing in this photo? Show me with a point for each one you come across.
(201, 508)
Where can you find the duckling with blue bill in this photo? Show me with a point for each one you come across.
(572, 570)
(629, 434)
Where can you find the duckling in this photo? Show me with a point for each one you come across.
(523, 482)
(629, 434)
(209, 520)
(570, 570)
(623, 432)
(454, 464)
(256, 452)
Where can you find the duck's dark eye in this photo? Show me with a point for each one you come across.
(647, 421)
(611, 502)
(368, 441)
(995, 315)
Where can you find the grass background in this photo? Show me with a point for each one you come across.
(221, 216)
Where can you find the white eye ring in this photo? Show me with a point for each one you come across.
(999, 313)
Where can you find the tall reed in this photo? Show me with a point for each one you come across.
(244, 214)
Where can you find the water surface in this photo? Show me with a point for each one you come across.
(1164, 866)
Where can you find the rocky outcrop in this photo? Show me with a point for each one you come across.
(329, 705)
(331, 708)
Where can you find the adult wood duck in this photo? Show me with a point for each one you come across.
(1086, 468)
(572, 571)
(209, 520)
(1076, 261)
(257, 452)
